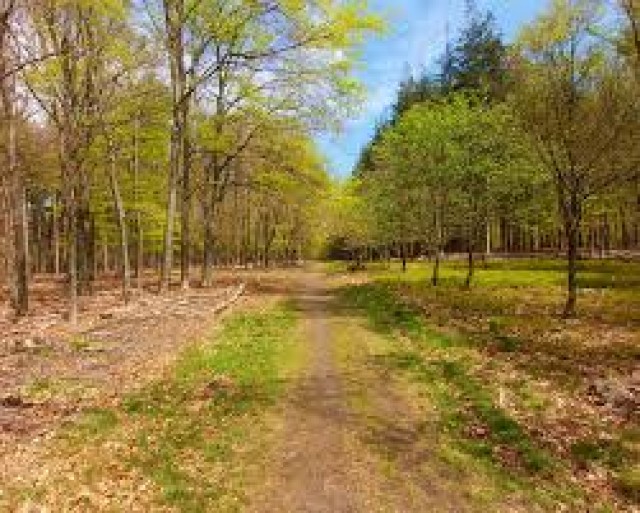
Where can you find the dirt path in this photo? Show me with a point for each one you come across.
(312, 470)
(350, 442)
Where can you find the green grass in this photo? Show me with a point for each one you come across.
(514, 307)
(196, 436)
(206, 413)
(508, 328)
(469, 419)
(597, 274)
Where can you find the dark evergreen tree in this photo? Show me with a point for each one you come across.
(476, 63)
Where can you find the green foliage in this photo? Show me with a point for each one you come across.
(442, 170)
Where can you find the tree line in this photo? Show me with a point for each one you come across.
(525, 147)
(143, 134)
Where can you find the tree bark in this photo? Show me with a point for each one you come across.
(174, 26)
(572, 269)
(572, 213)
(435, 276)
(208, 242)
(185, 214)
(56, 236)
(18, 227)
(136, 191)
(18, 240)
(121, 218)
(470, 266)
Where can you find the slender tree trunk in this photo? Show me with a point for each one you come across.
(167, 265)
(56, 236)
(72, 254)
(174, 25)
(572, 269)
(488, 239)
(208, 242)
(121, 218)
(247, 228)
(470, 266)
(17, 237)
(185, 215)
(136, 191)
(105, 255)
(435, 276)
(19, 287)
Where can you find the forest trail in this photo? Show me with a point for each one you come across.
(351, 442)
(296, 402)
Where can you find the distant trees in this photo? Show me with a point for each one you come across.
(444, 166)
(522, 148)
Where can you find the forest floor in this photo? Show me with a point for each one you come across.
(50, 369)
(327, 391)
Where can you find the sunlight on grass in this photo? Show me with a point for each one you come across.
(193, 441)
(195, 428)
(472, 426)
(504, 340)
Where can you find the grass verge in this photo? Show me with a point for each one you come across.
(191, 442)
(475, 432)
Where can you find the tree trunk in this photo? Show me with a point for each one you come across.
(56, 236)
(435, 277)
(19, 271)
(572, 269)
(185, 214)
(571, 208)
(488, 239)
(105, 255)
(72, 254)
(470, 266)
(136, 191)
(121, 218)
(208, 242)
(17, 236)
(167, 264)
(174, 25)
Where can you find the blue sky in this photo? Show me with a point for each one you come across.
(415, 38)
